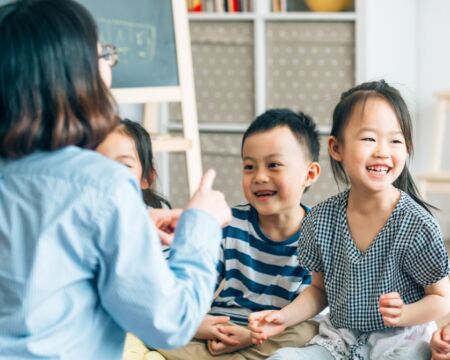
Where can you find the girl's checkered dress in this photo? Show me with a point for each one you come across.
(407, 255)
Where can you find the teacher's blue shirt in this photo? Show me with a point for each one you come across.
(81, 263)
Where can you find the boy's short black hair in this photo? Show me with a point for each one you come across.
(301, 125)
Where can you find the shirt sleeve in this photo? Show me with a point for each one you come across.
(162, 302)
(309, 254)
(427, 259)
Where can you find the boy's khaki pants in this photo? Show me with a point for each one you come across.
(295, 336)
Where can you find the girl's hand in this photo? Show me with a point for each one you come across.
(165, 221)
(239, 334)
(391, 308)
(209, 200)
(209, 330)
(440, 344)
(264, 324)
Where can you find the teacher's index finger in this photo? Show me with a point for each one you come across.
(207, 180)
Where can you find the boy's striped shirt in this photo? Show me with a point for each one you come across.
(259, 273)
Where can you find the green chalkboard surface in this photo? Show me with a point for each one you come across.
(143, 32)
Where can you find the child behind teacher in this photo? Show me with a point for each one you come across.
(130, 144)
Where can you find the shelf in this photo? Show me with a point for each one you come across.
(311, 16)
(443, 95)
(232, 128)
(437, 182)
(222, 16)
(285, 16)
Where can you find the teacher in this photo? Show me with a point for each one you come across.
(80, 261)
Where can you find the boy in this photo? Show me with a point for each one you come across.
(258, 261)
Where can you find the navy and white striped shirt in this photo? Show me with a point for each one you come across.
(259, 273)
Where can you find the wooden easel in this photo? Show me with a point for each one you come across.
(184, 93)
(435, 179)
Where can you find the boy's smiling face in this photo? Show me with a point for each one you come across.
(276, 171)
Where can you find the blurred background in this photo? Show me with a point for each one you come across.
(251, 55)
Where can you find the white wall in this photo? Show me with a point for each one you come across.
(434, 75)
(407, 42)
(434, 72)
(387, 44)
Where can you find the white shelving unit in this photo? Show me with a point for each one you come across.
(262, 15)
(380, 36)
(385, 47)
(221, 139)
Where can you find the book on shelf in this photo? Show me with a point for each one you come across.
(220, 6)
(208, 5)
(275, 5)
(288, 6)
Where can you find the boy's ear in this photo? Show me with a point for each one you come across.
(334, 148)
(313, 173)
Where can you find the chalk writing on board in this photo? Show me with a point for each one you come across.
(143, 32)
(135, 43)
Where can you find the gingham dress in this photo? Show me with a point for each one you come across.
(406, 255)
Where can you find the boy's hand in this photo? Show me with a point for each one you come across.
(209, 330)
(440, 344)
(165, 221)
(209, 200)
(391, 308)
(264, 324)
(238, 333)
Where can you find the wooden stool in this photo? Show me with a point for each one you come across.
(435, 179)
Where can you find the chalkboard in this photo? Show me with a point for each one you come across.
(143, 32)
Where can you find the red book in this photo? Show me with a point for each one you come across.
(236, 5)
